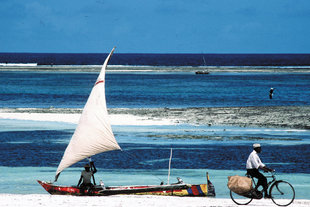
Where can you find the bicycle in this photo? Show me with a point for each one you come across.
(282, 193)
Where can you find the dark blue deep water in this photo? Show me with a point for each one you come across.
(159, 59)
(45, 148)
(152, 90)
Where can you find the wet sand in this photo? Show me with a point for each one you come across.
(268, 117)
(293, 117)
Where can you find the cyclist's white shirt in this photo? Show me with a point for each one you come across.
(254, 161)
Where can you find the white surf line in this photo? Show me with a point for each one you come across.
(119, 119)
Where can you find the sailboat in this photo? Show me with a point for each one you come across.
(94, 135)
(203, 71)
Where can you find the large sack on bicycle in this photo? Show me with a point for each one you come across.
(239, 184)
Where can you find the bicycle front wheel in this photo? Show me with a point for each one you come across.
(282, 193)
(239, 199)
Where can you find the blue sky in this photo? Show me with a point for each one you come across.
(155, 26)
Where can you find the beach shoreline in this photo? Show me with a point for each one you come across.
(292, 117)
(126, 200)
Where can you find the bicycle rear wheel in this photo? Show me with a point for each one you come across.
(282, 193)
(239, 199)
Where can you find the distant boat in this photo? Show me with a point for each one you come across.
(94, 135)
(203, 71)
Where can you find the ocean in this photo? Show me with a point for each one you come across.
(154, 90)
(31, 150)
(159, 59)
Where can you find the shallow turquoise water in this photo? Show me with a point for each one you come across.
(22, 180)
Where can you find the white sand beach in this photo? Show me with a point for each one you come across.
(115, 119)
(127, 200)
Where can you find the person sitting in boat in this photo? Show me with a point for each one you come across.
(86, 175)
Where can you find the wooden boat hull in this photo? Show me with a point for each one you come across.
(202, 72)
(166, 190)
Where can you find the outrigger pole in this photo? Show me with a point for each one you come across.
(91, 168)
(169, 166)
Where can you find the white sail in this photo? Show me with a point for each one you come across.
(93, 134)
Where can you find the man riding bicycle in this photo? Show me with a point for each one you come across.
(253, 165)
